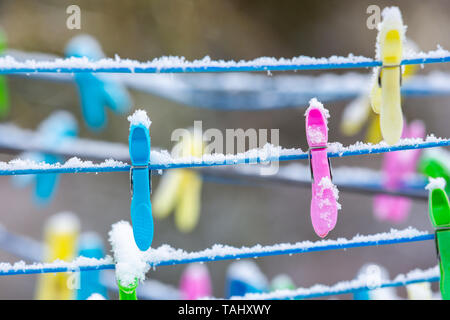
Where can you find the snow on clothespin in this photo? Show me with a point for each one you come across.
(386, 97)
(439, 209)
(324, 205)
(359, 110)
(397, 167)
(195, 282)
(61, 235)
(373, 275)
(181, 189)
(90, 245)
(435, 163)
(58, 127)
(96, 90)
(245, 277)
(140, 176)
(4, 94)
(130, 261)
(419, 291)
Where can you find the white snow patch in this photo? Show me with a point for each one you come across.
(139, 117)
(130, 261)
(435, 183)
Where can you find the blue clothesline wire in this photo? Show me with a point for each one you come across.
(199, 68)
(210, 258)
(244, 160)
(331, 292)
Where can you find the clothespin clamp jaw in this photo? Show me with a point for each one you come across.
(439, 208)
(323, 202)
(310, 165)
(386, 96)
(141, 209)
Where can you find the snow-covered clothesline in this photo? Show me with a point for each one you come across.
(160, 160)
(245, 91)
(9, 65)
(32, 250)
(346, 287)
(166, 255)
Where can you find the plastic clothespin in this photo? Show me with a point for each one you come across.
(181, 189)
(435, 163)
(324, 205)
(245, 277)
(359, 110)
(127, 292)
(4, 93)
(419, 291)
(439, 208)
(61, 235)
(59, 126)
(373, 274)
(140, 177)
(96, 90)
(386, 97)
(195, 282)
(397, 166)
(90, 245)
(282, 282)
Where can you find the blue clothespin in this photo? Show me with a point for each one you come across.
(141, 208)
(96, 90)
(59, 126)
(90, 245)
(245, 277)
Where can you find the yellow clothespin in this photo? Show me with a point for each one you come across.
(419, 291)
(385, 97)
(61, 236)
(180, 189)
(359, 111)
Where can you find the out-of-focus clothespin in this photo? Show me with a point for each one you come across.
(195, 282)
(4, 93)
(61, 235)
(397, 167)
(90, 245)
(59, 126)
(419, 291)
(96, 90)
(245, 277)
(359, 110)
(180, 189)
(373, 275)
(439, 209)
(324, 205)
(282, 282)
(386, 98)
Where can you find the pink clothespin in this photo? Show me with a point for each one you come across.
(397, 166)
(195, 282)
(324, 205)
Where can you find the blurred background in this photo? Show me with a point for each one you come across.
(232, 215)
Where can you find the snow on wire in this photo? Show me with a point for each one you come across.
(345, 287)
(160, 160)
(9, 65)
(166, 255)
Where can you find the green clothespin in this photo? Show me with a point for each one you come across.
(127, 292)
(4, 96)
(439, 208)
(434, 164)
